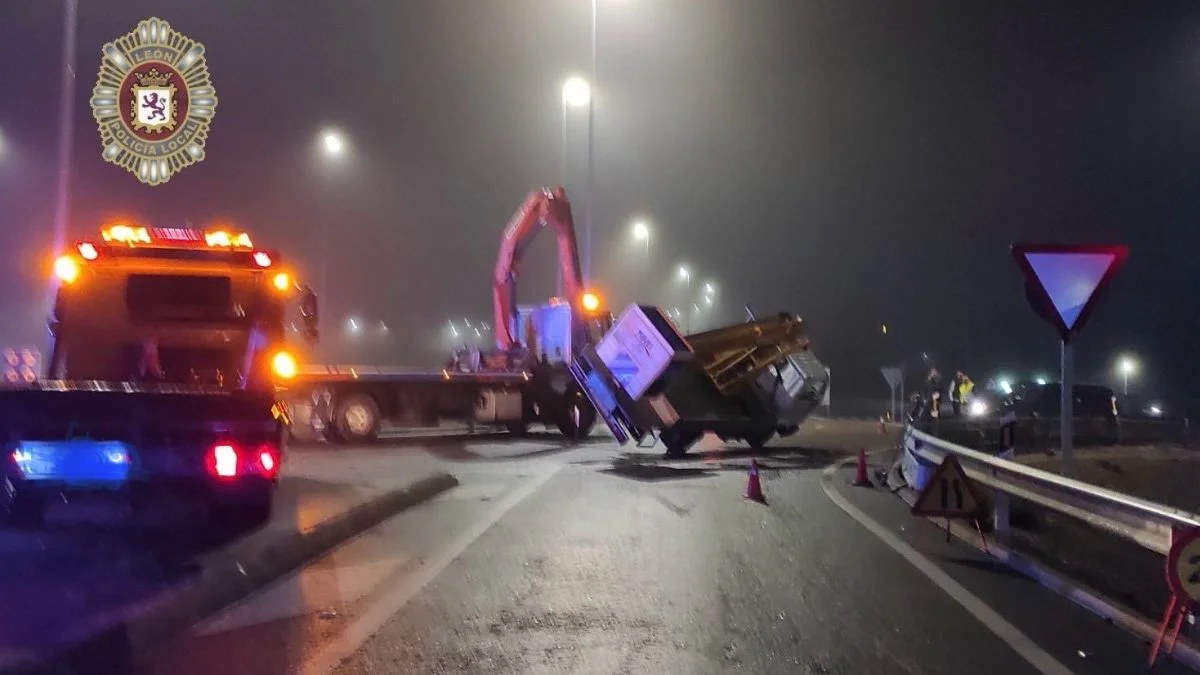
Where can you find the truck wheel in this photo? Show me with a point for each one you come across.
(332, 435)
(787, 429)
(578, 420)
(357, 419)
(517, 428)
(758, 441)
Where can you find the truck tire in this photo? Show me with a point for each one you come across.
(758, 441)
(357, 419)
(578, 419)
(517, 428)
(785, 430)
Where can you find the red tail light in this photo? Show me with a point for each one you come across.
(223, 461)
(268, 460)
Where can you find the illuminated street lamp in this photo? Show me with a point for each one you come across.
(332, 148)
(686, 274)
(641, 232)
(576, 92)
(1128, 366)
(353, 326)
(333, 143)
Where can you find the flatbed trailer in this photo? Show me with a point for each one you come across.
(351, 403)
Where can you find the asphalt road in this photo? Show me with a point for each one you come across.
(590, 559)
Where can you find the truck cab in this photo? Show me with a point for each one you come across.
(172, 305)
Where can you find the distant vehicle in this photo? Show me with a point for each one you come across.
(1032, 399)
(167, 345)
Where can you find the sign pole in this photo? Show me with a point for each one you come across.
(1066, 427)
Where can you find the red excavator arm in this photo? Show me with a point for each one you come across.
(544, 207)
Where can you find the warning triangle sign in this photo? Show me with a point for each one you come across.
(1065, 281)
(949, 494)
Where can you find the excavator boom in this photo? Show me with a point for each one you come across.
(544, 207)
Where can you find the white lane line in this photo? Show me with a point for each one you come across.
(375, 616)
(1027, 648)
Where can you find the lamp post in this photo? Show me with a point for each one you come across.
(686, 274)
(576, 93)
(332, 149)
(1128, 366)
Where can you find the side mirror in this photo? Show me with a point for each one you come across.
(309, 314)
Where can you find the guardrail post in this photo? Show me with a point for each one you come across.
(1001, 501)
(1001, 509)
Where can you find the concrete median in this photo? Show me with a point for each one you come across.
(226, 577)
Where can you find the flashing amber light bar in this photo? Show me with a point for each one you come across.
(223, 239)
(125, 234)
(130, 235)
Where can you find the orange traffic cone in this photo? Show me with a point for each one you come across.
(754, 485)
(860, 475)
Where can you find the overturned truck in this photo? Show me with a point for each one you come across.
(747, 382)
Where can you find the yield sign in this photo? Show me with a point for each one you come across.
(892, 375)
(1063, 282)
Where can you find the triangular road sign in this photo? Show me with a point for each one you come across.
(892, 375)
(1064, 281)
(949, 494)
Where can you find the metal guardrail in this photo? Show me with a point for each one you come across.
(1138, 520)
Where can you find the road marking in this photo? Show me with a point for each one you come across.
(375, 616)
(1010, 634)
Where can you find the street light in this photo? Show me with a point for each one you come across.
(332, 148)
(1128, 366)
(641, 232)
(333, 143)
(709, 289)
(576, 92)
(686, 274)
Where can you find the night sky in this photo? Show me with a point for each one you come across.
(857, 163)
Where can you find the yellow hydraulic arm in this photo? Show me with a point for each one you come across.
(734, 355)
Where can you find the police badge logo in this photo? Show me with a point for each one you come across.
(153, 102)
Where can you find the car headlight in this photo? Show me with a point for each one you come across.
(977, 409)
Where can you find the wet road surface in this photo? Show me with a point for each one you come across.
(591, 559)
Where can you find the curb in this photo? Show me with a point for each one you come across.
(1082, 596)
(229, 580)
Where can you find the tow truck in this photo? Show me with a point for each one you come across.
(168, 346)
(524, 381)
